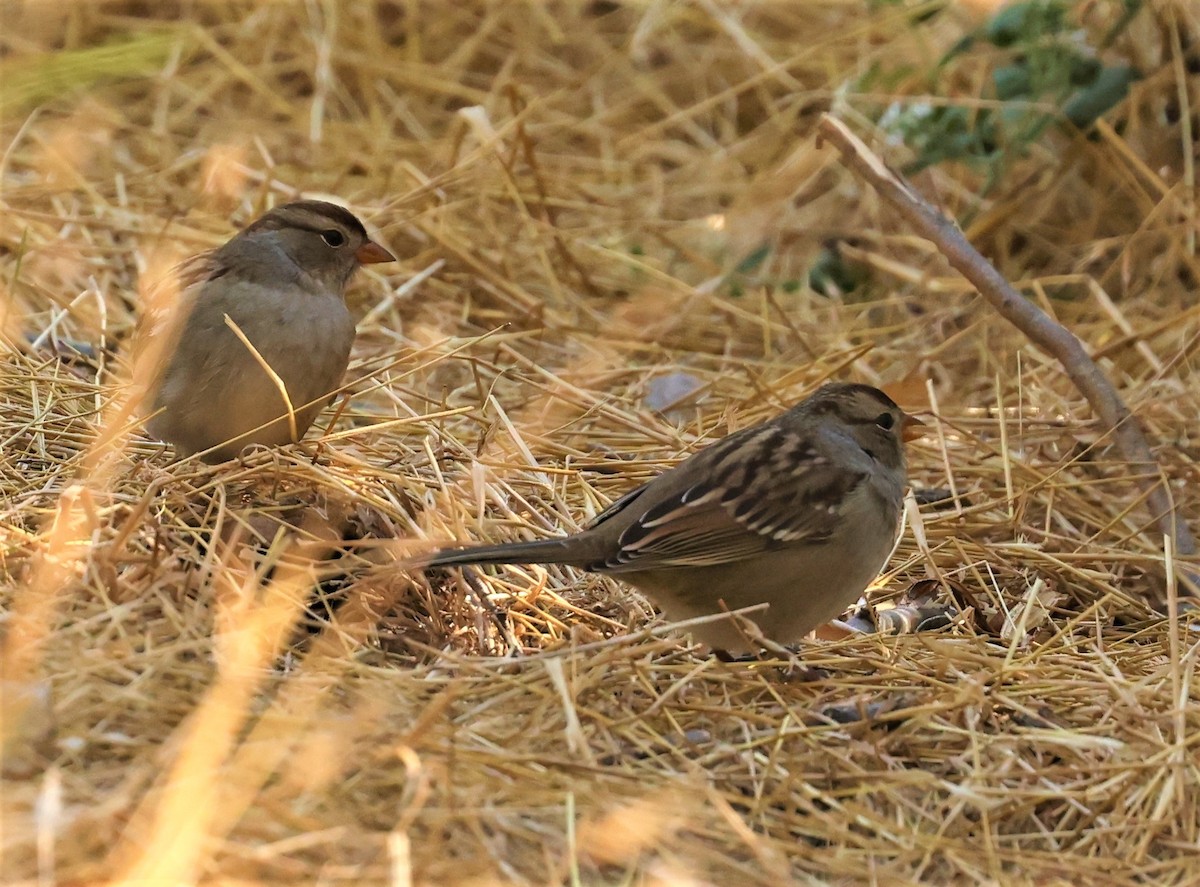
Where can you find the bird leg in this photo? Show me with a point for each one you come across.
(795, 670)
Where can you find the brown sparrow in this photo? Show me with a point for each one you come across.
(799, 512)
(272, 295)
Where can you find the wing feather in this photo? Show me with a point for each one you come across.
(761, 491)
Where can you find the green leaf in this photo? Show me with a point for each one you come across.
(1025, 22)
(1107, 90)
(752, 261)
(1012, 82)
(832, 275)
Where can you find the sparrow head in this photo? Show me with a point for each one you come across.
(324, 240)
(869, 417)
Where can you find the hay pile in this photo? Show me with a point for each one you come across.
(588, 197)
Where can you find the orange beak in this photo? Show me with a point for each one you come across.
(371, 253)
(912, 427)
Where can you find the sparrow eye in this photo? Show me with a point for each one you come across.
(333, 237)
(886, 421)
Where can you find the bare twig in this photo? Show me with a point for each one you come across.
(1041, 329)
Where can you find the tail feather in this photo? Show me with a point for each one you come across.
(545, 551)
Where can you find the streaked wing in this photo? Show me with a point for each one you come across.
(616, 506)
(765, 490)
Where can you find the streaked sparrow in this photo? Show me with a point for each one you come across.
(799, 512)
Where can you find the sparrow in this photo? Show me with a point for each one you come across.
(273, 295)
(799, 512)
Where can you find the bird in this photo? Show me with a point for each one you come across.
(272, 296)
(799, 512)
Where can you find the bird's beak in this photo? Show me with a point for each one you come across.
(912, 428)
(371, 252)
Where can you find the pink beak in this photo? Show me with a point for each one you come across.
(912, 428)
(371, 252)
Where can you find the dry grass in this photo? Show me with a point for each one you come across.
(568, 186)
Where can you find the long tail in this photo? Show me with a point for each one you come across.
(546, 551)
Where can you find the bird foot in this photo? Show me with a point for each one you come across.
(793, 670)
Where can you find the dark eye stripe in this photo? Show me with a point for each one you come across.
(870, 421)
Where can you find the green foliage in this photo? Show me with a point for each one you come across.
(1107, 89)
(833, 275)
(1025, 23)
(753, 260)
(1048, 63)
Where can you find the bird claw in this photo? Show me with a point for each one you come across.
(792, 669)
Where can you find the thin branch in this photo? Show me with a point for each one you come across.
(1041, 329)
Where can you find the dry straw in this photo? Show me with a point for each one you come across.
(213, 674)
